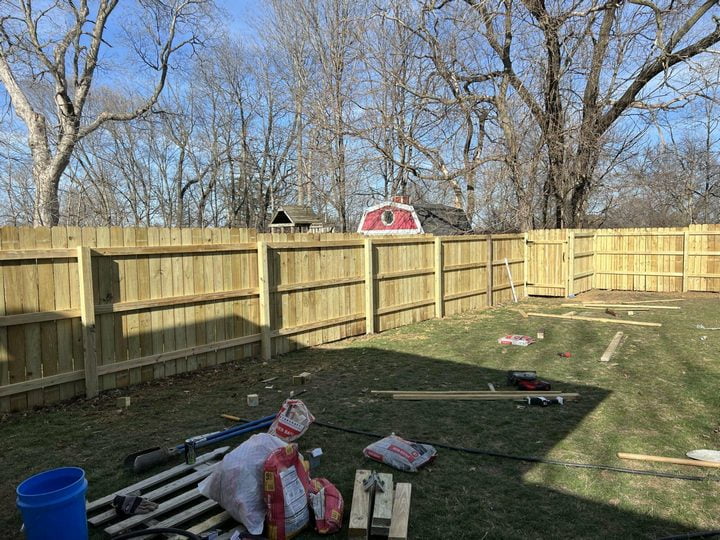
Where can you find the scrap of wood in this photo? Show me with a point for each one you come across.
(592, 319)
(610, 312)
(302, 378)
(401, 512)
(612, 347)
(491, 386)
(360, 508)
(382, 507)
(570, 313)
(271, 379)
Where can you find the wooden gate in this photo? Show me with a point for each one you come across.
(547, 253)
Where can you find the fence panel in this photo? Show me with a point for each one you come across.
(166, 301)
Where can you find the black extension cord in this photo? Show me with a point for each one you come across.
(529, 459)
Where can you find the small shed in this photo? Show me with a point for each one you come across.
(400, 217)
(294, 218)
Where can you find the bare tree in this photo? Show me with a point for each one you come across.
(51, 55)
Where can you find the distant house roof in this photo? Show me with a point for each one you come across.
(439, 219)
(401, 218)
(294, 215)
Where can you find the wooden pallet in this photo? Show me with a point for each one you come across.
(180, 503)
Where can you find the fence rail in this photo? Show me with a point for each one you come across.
(85, 310)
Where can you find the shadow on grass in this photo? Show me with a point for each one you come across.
(458, 496)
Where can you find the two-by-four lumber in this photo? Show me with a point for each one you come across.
(496, 396)
(479, 392)
(360, 508)
(676, 461)
(87, 315)
(400, 512)
(383, 506)
(369, 287)
(264, 299)
(593, 319)
(612, 347)
(439, 288)
(625, 306)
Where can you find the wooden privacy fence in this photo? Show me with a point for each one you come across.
(566, 262)
(84, 310)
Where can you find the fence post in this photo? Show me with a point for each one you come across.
(264, 299)
(686, 259)
(439, 289)
(525, 264)
(369, 288)
(571, 263)
(489, 269)
(87, 316)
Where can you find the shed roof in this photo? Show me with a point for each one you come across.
(440, 219)
(294, 214)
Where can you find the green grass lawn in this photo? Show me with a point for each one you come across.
(658, 395)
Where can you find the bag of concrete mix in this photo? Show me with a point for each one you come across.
(292, 421)
(237, 482)
(401, 454)
(286, 484)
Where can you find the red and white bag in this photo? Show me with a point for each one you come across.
(292, 420)
(286, 484)
(327, 505)
(401, 454)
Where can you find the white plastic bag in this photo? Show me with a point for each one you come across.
(237, 483)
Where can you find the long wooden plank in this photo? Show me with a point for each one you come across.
(369, 272)
(158, 478)
(405, 273)
(319, 284)
(625, 306)
(612, 347)
(38, 317)
(591, 319)
(36, 254)
(401, 512)
(382, 506)
(465, 266)
(162, 491)
(208, 524)
(314, 326)
(405, 307)
(179, 353)
(166, 250)
(675, 461)
(187, 514)
(474, 397)
(163, 508)
(360, 508)
(43, 382)
(87, 312)
(264, 288)
(479, 392)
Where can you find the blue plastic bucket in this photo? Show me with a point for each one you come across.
(52, 504)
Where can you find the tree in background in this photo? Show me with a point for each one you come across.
(50, 56)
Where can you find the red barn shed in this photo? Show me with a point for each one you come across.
(399, 217)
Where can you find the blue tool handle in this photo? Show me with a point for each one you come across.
(239, 429)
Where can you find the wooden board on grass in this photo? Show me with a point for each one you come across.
(400, 512)
(360, 509)
(383, 506)
(612, 347)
